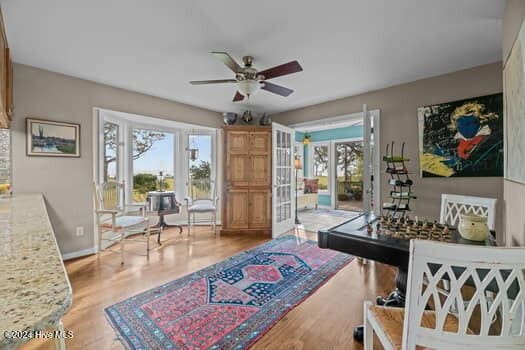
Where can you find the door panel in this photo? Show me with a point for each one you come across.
(260, 208)
(238, 142)
(237, 169)
(260, 170)
(260, 142)
(237, 208)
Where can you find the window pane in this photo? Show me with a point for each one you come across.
(111, 137)
(349, 185)
(200, 167)
(152, 153)
(321, 166)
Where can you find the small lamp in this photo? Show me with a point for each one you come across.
(194, 154)
(306, 139)
(193, 150)
(298, 166)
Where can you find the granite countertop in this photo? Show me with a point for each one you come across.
(34, 287)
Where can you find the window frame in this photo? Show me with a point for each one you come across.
(125, 153)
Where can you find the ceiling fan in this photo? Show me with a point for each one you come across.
(249, 80)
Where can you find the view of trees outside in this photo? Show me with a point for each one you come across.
(349, 156)
(153, 152)
(200, 168)
(349, 170)
(321, 166)
(111, 134)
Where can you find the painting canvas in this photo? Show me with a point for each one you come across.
(54, 139)
(462, 138)
(514, 89)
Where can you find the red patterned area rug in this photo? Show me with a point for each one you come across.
(229, 305)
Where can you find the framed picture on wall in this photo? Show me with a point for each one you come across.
(462, 138)
(47, 138)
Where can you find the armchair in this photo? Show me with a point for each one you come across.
(202, 199)
(116, 220)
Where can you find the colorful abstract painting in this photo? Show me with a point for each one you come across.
(462, 138)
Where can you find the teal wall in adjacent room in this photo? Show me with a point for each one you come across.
(324, 199)
(348, 132)
(332, 134)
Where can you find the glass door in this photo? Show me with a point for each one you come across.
(349, 165)
(282, 179)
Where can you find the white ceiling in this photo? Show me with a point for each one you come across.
(346, 47)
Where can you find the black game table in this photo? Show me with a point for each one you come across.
(352, 237)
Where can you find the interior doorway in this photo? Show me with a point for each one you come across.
(338, 174)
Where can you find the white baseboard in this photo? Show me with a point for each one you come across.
(93, 250)
(78, 254)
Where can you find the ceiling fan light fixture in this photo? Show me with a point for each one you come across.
(248, 87)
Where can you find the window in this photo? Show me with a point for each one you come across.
(321, 166)
(153, 154)
(200, 167)
(111, 151)
(137, 151)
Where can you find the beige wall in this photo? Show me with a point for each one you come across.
(398, 107)
(67, 182)
(514, 193)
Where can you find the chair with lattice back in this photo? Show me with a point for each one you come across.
(428, 320)
(453, 205)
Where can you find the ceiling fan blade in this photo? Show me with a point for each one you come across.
(238, 97)
(227, 60)
(283, 69)
(276, 89)
(218, 81)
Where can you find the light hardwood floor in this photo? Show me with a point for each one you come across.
(323, 321)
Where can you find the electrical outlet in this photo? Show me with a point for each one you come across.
(80, 230)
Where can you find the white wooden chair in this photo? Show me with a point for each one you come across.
(467, 267)
(202, 200)
(452, 205)
(116, 220)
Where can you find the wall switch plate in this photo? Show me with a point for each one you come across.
(80, 230)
